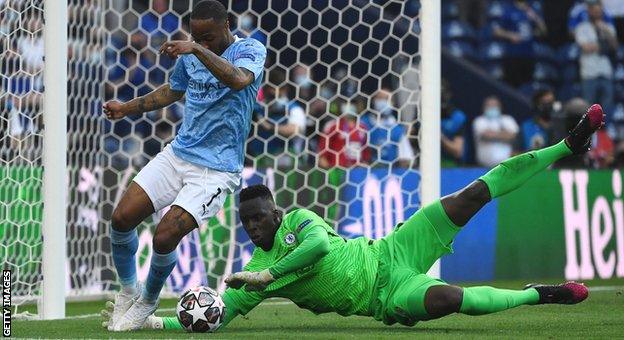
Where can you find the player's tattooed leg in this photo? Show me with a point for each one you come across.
(176, 223)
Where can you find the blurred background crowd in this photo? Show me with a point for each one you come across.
(340, 85)
(560, 55)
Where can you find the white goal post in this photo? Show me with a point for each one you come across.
(55, 192)
(431, 78)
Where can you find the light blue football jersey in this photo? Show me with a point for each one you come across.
(216, 118)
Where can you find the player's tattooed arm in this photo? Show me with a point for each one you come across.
(154, 100)
(236, 78)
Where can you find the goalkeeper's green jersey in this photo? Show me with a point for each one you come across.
(342, 281)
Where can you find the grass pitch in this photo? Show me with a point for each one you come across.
(600, 316)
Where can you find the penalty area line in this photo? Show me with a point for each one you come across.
(167, 310)
(604, 288)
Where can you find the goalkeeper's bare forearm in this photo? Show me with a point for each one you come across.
(157, 99)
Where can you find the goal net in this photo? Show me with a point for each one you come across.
(335, 128)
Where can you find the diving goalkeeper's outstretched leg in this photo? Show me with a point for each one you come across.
(441, 300)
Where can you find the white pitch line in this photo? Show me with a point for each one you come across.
(166, 310)
(605, 288)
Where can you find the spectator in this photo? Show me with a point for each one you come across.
(387, 136)
(616, 9)
(616, 130)
(536, 131)
(579, 14)
(300, 76)
(283, 128)
(619, 156)
(494, 134)
(343, 141)
(598, 43)
(519, 26)
(601, 155)
(453, 122)
(248, 27)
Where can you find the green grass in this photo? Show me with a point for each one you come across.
(601, 316)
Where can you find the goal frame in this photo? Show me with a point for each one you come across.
(55, 188)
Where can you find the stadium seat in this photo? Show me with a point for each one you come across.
(620, 54)
(450, 11)
(494, 69)
(529, 88)
(458, 31)
(568, 91)
(569, 72)
(496, 10)
(486, 33)
(492, 51)
(619, 91)
(568, 53)
(618, 72)
(537, 7)
(462, 49)
(544, 53)
(544, 72)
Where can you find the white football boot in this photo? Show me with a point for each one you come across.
(123, 302)
(152, 322)
(136, 316)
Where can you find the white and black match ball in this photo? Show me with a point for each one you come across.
(200, 309)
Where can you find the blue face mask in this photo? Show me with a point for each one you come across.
(381, 105)
(246, 23)
(492, 112)
(303, 81)
(326, 93)
(281, 102)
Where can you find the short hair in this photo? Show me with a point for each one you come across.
(258, 190)
(209, 9)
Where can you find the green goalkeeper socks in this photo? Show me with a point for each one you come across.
(512, 173)
(486, 300)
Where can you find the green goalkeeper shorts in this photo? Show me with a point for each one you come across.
(406, 254)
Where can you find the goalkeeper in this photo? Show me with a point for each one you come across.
(301, 258)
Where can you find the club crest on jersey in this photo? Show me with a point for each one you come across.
(289, 238)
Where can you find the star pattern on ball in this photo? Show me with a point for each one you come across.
(199, 313)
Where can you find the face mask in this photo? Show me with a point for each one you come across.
(381, 105)
(545, 110)
(492, 112)
(348, 110)
(349, 88)
(281, 102)
(303, 80)
(327, 93)
(246, 23)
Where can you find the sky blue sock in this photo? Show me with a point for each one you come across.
(160, 267)
(124, 246)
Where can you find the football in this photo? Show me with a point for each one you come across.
(200, 309)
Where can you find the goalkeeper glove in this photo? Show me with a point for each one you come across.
(255, 281)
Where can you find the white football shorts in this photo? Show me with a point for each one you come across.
(170, 180)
